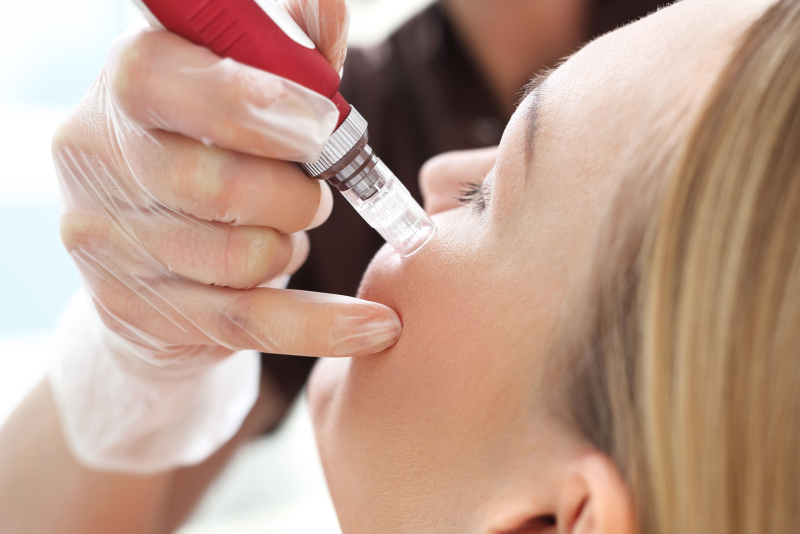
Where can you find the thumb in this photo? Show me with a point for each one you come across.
(327, 23)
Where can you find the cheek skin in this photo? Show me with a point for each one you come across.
(417, 433)
(422, 437)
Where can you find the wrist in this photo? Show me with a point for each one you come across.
(121, 413)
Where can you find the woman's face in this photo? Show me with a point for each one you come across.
(443, 432)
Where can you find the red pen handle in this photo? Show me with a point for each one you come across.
(242, 30)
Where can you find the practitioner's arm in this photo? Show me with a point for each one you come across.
(43, 489)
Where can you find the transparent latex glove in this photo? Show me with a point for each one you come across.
(179, 214)
(121, 414)
(327, 23)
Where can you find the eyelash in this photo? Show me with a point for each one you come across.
(473, 195)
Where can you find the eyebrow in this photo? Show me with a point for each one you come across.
(533, 90)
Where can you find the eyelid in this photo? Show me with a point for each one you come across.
(474, 195)
(471, 194)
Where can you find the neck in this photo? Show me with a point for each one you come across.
(511, 43)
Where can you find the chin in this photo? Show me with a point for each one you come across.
(326, 378)
(329, 377)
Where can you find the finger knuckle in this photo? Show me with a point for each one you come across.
(66, 136)
(110, 313)
(243, 84)
(63, 150)
(125, 314)
(129, 69)
(116, 303)
(254, 255)
(205, 184)
(235, 326)
(81, 138)
(78, 233)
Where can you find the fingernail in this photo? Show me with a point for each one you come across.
(325, 206)
(360, 335)
(281, 282)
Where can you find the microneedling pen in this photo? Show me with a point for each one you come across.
(264, 35)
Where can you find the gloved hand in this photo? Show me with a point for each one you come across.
(327, 25)
(178, 214)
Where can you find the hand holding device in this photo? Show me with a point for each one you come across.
(178, 214)
(262, 34)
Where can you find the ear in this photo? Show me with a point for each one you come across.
(594, 498)
(580, 494)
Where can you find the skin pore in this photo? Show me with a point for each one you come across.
(445, 431)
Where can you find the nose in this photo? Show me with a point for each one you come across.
(442, 178)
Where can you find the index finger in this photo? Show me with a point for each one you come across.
(160, 80)
(141, 300)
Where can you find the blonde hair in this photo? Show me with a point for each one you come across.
(689, 375)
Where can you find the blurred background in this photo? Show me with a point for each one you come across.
(50, 53)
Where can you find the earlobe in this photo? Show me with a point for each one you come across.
(595, 499)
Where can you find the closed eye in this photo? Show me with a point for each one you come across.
(472, 194)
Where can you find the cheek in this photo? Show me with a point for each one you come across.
(326, 378)
(396, 430)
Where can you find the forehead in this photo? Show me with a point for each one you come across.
(622, 96)
(648, 72)
(677, 41)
